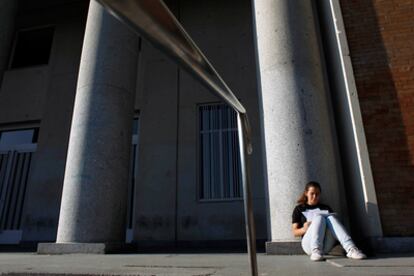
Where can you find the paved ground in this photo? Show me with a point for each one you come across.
(197, 265)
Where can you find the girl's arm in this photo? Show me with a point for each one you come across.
(299, 232)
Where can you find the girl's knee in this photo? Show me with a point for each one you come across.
(333, 218)
(319, 218)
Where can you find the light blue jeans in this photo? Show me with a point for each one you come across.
(322, 234)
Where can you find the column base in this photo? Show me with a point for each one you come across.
(295, 248)
(82, 248)
(284, 248)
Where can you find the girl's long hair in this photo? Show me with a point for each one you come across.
(303, 199)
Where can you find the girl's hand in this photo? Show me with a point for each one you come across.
(306, 225)
(298, 232)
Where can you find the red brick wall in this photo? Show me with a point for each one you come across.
(381, 41)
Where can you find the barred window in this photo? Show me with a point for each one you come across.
(219, 163)
(17, 148)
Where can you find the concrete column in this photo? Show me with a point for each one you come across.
(92, 214)
(8, 10)
(298, 132)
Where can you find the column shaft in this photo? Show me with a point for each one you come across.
(96, 177)
(297, 122)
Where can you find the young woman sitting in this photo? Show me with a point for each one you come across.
(318, 226)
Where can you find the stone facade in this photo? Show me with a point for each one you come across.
(311, 100)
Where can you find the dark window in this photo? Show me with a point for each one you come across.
(32, 47)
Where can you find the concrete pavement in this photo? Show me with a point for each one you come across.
(208, 264)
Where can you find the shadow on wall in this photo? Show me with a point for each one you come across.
(361, 214)
(379, 72)
(376, 37)
(315, 111)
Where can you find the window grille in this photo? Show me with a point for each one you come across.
(16, 153)
(14, 172)
(220, 171)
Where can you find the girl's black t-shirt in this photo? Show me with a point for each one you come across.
(300, 219)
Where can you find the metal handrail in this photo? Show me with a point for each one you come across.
(156, 23)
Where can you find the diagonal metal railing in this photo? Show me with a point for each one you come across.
(156, 23)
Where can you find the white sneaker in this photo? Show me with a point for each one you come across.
(355, 254)
(316, 256)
